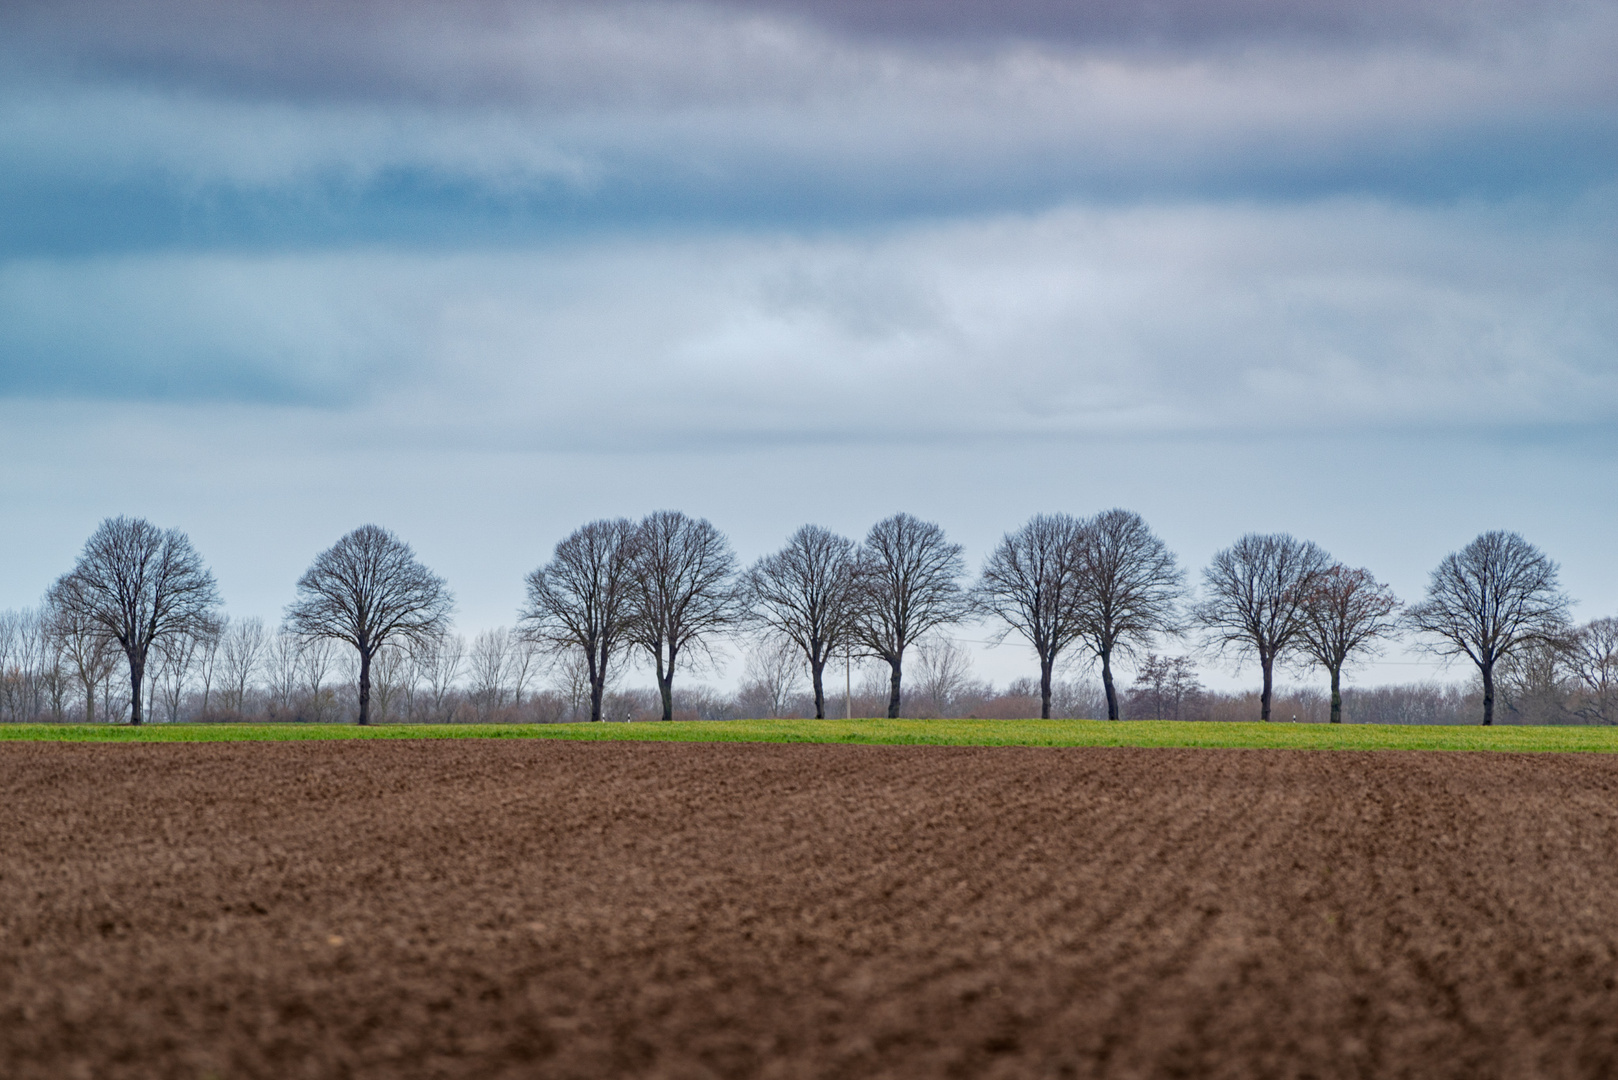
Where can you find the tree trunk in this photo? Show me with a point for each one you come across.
(1487, 670)
(893, 688)
(1266, 662)
(1045, 665)
(665, 684)
(1106, 684)
(137, 676)
(365, 686)
(1336, 695)
(90, 701)
(817, 670)
(598, 687)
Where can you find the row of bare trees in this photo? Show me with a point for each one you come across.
(668, 589)
(1106, 585)
(498, 676)
(669, 586)
(1496, 600)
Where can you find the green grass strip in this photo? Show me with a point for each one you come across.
(1141, 733)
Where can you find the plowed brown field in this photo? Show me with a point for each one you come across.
(525, 908)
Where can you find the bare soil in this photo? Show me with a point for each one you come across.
(528, 908)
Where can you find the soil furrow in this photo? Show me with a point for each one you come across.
(487, 909)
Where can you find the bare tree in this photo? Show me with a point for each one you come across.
(176, 659)
(1031, 582)
(575, 685)
(208, 662)
(113, 690)
(90, 653)
(522, 665)
(437, 663)
(772, 677)
(1346, 612)
(908, 586)
(684, 593)
(943, 676)
(1592, 655)
(389, 670)
(1534, 682)
(1164, 685)
(55, 680)
(1130, 586)
(488, 667)
(242, 650)
(141, 585)
(580, 600)
(316, 658)
(367, 590)
(13, 665)
(1255, 598)
(806, 593)
(284, 668)
(32, 678)
(1491, 598)
(26, 659)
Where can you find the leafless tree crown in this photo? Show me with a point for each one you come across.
(805, 592)
(1031, 582)
(1164, 687)
(369, 589)
(1491, 598)
(771, 678)
(85, 645)
(244, 648)
(1347, 611)
(580, 601)
(1130, 587)
(684, 591)
(141, 586)
(1254, 598)
(909, 584)
(1592, 654)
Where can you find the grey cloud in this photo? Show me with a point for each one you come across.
(1084, 322)
(691, 115)
(1167, 23)
(571, 53)
(1343, 314)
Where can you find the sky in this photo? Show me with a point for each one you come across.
(481, 271)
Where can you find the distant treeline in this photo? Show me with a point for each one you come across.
(827, 626)
(491, 680)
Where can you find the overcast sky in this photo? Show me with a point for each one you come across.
(479, 272)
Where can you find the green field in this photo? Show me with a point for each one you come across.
(890, 732)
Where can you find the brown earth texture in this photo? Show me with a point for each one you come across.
(550, 909)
